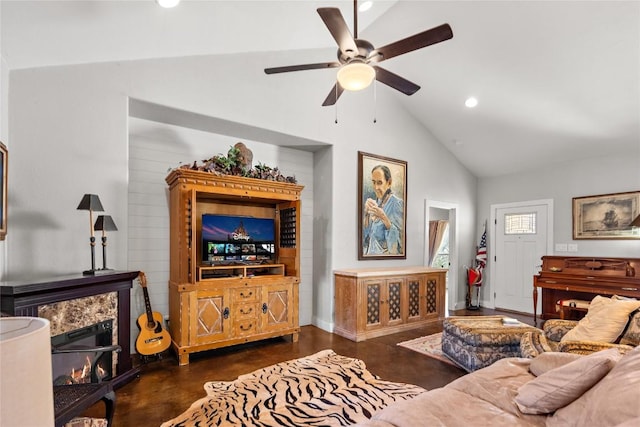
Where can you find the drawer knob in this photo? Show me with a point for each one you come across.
(225, 313)
(246, 328)
(264, 308)
(249, 295)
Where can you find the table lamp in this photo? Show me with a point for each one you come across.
(91, 202)
(105, 223)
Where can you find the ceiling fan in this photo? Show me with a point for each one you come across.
(356, 57)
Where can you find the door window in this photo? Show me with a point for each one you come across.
(520, 223)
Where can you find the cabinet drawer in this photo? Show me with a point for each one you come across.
(246, 311)
(245, 327)
(242, 295)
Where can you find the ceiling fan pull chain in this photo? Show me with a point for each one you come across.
(336, 104)
(375, 101)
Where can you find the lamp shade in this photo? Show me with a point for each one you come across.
(90, 202)
(168, 3)
(26, 388)
(105, 223)
(356, 76)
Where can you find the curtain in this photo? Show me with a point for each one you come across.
(436, 233)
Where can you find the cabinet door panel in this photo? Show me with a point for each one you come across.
(384, 302)
(432, 295)
(415, 296)
(277, 307)
(210, 311)
(373, 295)
(393, 302)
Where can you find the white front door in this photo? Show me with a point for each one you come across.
(521, 237)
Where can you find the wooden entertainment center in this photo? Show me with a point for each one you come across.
(213, 305)
(371, 302)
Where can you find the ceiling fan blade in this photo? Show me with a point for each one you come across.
(302, 67)
(415, 42)
(395, 81)
(333, 96)
(338, 28)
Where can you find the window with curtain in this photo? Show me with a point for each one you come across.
(439, 244)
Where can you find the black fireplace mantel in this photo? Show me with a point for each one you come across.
(22, 298)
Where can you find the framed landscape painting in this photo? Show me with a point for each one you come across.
(382, 215)
(606, 216)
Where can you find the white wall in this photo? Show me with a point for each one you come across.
(4, 95)
(4, 133)
(437, 214)
(561, 182)
(69, 133)
(4, 100)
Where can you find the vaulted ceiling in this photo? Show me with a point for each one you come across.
(556, 81)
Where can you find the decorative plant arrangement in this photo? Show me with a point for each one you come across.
(238, 162)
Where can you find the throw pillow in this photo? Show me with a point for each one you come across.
(611, 402)
(551, 360)
(604, 322)
(560, 386)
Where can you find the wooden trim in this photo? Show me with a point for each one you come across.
(235, 185)
(389, 271)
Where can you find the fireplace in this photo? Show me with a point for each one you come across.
(81, 356)
(75, 302)
(76, 307)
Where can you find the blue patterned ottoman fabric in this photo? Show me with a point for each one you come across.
(474, 342)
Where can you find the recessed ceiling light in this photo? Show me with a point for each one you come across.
(168, 3)
(364, 6)
(471, 102)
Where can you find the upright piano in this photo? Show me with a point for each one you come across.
(583, 278)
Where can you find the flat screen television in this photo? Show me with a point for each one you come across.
(227, 239)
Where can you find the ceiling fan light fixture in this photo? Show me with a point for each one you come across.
(356, 76)
(168, 3)
(364, 6)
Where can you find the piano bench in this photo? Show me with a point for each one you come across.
(567, 306)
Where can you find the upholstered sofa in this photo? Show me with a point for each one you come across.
(610, 323)
(554, 389)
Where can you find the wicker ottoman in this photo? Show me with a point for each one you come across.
(474, 342)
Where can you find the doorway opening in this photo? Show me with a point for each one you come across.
(441, 246)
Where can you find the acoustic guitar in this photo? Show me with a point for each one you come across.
(153, 338)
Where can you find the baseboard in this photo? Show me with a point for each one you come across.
(325, 326)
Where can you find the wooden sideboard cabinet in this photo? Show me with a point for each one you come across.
(213, 305)
(372, 302)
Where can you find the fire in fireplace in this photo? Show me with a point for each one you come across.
(83, 355)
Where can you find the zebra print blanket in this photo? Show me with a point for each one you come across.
(324, 389)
